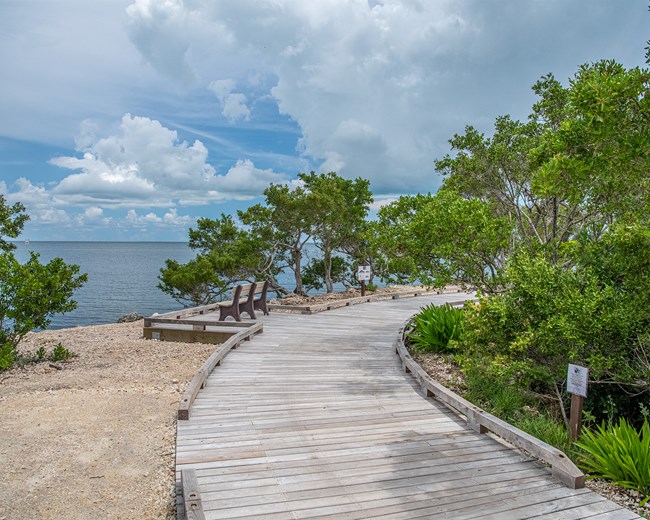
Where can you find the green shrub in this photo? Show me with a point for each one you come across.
(434, 328)
(618, 453)
(492, 391)
(551, 316)
(60, 353)
(546, 429)
(7, 355)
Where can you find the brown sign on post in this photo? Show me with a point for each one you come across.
(577, 380)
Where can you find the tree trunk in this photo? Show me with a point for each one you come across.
(327, 265)
(296, 256)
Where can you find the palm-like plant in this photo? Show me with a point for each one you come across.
(434, 327)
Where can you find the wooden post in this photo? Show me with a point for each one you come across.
(575, 421)
(576, 385)
(363, 287)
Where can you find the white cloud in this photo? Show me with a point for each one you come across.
(145, 164)
(142, 165)
(233, 103)
(93, 213)
(377, 87)
(383, 200)
(356, 76)
(171, 218)
(245, 178)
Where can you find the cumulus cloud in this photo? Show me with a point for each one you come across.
(377, 87)
(171, 217)
(233, 103)
(146, 164)
(142, 165)
(356, 76)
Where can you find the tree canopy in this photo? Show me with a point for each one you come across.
(324, 209)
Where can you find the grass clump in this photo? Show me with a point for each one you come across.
(58, 353)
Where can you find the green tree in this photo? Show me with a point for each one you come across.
(287, 221)
(12, 220)
(570, 188)
(340, 207)
(579, 164)
(32, 292)
(313, 274)
(226, 254)
(443, 239)
(195, 283)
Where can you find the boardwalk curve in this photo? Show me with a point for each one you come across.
(316, 419)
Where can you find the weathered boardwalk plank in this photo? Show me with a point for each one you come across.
(316, 419)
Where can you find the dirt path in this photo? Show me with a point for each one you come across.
(94, 439)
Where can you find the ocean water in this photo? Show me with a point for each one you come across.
(122, 277)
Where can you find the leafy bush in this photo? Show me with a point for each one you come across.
(7, 355)
(60, 353)
(618, 453)
(546, 429)
(552, 316)
(371, 287)
(434, 328)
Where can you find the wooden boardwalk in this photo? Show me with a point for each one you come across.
(315, 418)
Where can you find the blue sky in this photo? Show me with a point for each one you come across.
(128, 120)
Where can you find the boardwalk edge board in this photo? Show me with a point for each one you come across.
(336, 304)
(191, 495)
(562, 468)
(199, 379)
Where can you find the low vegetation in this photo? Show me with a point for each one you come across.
(32, 292)
(42, 354)
(620, 453)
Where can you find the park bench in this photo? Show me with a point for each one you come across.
(245, 298)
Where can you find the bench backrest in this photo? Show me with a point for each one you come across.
(244, 290)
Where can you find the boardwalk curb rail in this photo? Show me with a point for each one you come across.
(191, 496)
(199, 379)
(481, 421)
(189, 482)
(347, 302)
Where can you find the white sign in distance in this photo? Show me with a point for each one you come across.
(363, 273)
(576, 382)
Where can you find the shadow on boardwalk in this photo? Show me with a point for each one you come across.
(315, 418)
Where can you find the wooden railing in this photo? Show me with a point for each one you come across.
(181, 314)
(201, 376)
(336, 304)
(481, 421)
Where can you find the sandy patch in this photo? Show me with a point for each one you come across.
(96, 438)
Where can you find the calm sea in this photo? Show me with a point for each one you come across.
(122, 277)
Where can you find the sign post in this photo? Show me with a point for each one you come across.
(363, 275)
(577, 378)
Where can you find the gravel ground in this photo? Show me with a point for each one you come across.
(93, 437)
